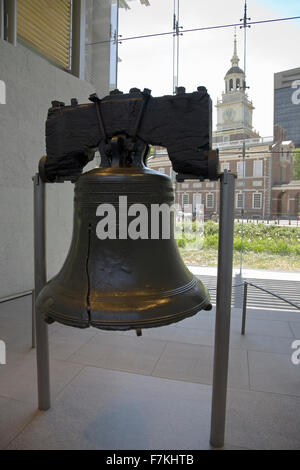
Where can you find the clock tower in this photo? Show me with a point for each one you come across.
(234, 110)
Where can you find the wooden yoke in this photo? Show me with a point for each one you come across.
(182, 123)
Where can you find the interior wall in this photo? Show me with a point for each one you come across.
(31, 84)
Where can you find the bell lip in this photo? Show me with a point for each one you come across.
(153, 322)
(87, 314)
(124, 326)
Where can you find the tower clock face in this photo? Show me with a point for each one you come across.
(228, 114)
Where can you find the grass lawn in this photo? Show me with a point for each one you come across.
(270, 261)
(265, 247)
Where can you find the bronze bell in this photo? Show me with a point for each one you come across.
(121, 283)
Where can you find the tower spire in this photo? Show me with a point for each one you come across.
(235, 59)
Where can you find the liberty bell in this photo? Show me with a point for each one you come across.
(123, 270)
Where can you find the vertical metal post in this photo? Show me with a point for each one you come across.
(114, 45)
(244, 308)
(42, 347)
(223, 310)
(33, 328)
(78, 39)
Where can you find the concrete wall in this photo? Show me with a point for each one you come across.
(31, 83)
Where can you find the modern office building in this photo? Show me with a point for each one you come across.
(287, 103)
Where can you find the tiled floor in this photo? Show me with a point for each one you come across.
(113, 390)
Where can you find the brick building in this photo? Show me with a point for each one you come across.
(264, 186)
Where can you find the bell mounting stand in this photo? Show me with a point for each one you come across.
(42, 346)
(223, 309)
(223, 305)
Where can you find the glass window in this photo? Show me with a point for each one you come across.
(185, 199)
(257, 168)
(240, 201)
(209, 201)
(197, 199)
(161, 170)
(47, 33)
(113, 63)
(256, 201)
(225, 166)
(240, 169)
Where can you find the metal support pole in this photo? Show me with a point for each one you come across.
(223, 310)
(78, 38)
(244, 308)
(42, 347)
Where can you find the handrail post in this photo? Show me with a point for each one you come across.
(244, 307)
(223, 310)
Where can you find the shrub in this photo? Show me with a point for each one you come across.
(259, 238)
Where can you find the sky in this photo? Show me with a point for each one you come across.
(204, 56)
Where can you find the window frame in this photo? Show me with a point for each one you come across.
(237, 201)
(213, 201)
(182, 199)
(225, 166)
(195, 202)
(256, 167)
(241, 175)
(253, 200)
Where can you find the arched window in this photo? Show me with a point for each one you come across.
(230, 84)
(238, 84)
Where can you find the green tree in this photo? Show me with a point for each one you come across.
(296, 164)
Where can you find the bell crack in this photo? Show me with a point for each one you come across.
(88, 307)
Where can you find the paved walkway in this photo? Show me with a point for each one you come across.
(249, 273)
(286, 285)
(119, 391)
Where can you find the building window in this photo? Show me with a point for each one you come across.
(197, 199)
(225, 166)
(209, 201)
(46, 27)
(256, 204)
(161, 170)
(240, 201)
(241, 169)
(257, 168)
(185, 199)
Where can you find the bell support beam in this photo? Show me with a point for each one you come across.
(223, 310)
(42, 346)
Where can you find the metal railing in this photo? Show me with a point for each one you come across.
(246, 284)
